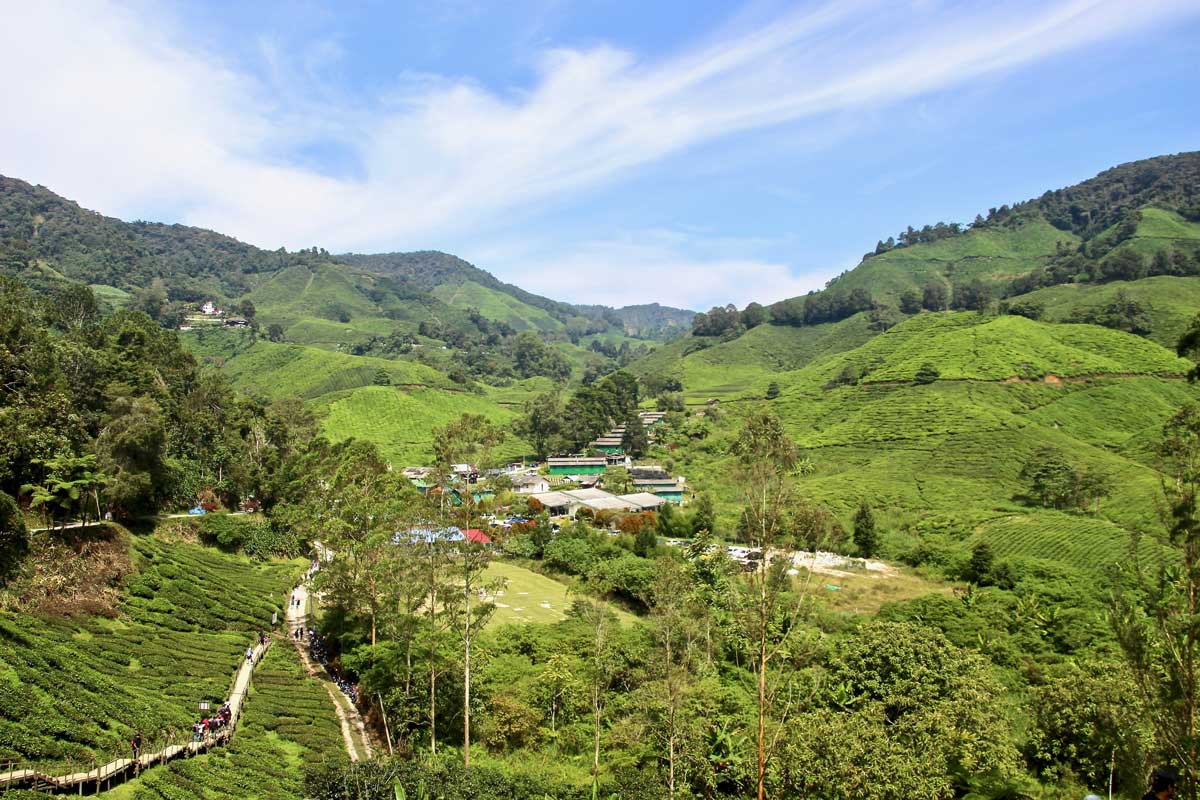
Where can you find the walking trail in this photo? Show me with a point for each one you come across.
(354, 731)
(105, 776)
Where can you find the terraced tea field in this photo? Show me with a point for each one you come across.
(71, 690)
(1092, 546)
(288, 724)
(496, 305)
(970, 346)
(273, 371)
(401, 423)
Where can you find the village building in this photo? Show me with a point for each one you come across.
(569, 502)
(657, 481)
(530, 484)
(609, 444)
(466, 472)
(577, 465)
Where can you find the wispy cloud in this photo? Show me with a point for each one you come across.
(124, 112)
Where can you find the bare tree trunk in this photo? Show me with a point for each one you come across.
(595, 731)
(1192, 558)
(762, 708)
(671, 700)
(432, 667)
(467, 669)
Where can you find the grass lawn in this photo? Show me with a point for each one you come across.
(530, 597)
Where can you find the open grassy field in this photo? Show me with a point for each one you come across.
(288, 724)
(401, 422)
(529, 597)
(76, 688)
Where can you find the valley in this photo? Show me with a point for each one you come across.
(1000, 414)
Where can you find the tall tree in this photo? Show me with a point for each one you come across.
(1157, 617)
(634, 440)
(866, 537)
(470, 566)
(766, 462)
(541, 425)
(672, 624)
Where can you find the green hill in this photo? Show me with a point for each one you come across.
(1171, 303)
(720, 369)
(496, 305)
(955, 446)
(331, 305)
(972, 346)
(449, 276)
(272, 371)
(994, 255)
(401, 422)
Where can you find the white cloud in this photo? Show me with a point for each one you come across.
(654, 266)
(124, 112)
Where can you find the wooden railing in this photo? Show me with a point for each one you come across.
(104, 776)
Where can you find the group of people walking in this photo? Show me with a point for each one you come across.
(318, 649)
(212, 724)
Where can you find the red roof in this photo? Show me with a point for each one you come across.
(477, 536)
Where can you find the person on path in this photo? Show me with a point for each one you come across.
(135, 744)
(250, 654)
(1164, 783)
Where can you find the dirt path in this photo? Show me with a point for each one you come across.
(354, 732)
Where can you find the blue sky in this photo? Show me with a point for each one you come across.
(689, 153)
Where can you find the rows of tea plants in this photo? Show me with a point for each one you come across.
(183, 586)
(401, 423)
(1091, 545)
(289, 723)
(76, 689)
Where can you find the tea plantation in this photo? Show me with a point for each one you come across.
(288, 724)
(956, 445)
(401, 423)
(73, 690)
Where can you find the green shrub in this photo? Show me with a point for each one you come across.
(14, 540)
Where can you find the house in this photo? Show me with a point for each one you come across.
(209, 308)
(655, 480)
(569, 502)
(236, 322)
(609, 444)
(556, 503)
(530, 484)
(476, 536)
(644, 500)
(578, 465)
(466, 472)
(651, 418)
